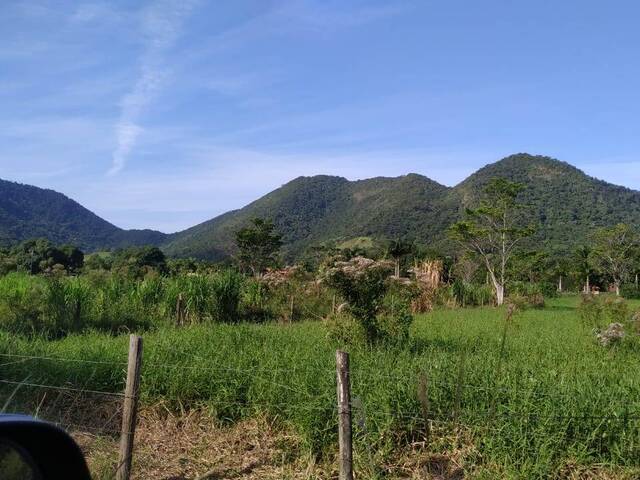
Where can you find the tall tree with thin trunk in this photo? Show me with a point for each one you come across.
(583, 266)
(258, 246)
(398, 249)
(613, 252)
(493, 230)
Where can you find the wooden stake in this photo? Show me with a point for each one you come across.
(460, 380)
(344, 416)
(130, 409)
(423, 396)
(291, 310)
(179, 308)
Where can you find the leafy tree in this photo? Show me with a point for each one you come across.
(492, 230)
(560, 267)
(258, 246)
(40, 255)
(138, 261)
(362, 282)
(74, 258)
(318, 255)
(397, 250)
(98, 261)
(613, 252)
(583, 266)
(530, 266)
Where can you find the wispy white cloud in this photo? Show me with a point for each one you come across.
(161, 26)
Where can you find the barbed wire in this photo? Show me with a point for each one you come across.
(254, 374)
(61, 388)
(61, 359)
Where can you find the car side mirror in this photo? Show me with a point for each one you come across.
(35, 450)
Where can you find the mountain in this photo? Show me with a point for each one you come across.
(309, 210)
(30, 212)
(564, 202)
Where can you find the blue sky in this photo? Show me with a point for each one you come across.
(162, 114)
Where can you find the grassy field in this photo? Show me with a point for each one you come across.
(554, 400)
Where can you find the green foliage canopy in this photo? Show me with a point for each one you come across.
(258, 246)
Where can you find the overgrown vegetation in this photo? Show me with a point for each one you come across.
(560, 397)
(552, 384)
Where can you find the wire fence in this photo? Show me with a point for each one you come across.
(89, 413)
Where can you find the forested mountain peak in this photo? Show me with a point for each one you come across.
(29, 212)
(562, 201)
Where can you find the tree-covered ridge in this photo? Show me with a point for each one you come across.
(31, 212)
(565, 204)
(310, 210)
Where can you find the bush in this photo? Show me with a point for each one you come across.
(362, 282)
(532, 294)
(254, 301)
(600, 310)
(226, 288)
(344, 330)
(612, 335)
(394, 321)
(22, 303)
(470, 295)
(630, 291)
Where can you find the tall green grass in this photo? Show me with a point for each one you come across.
(559, 397)
(55, 307)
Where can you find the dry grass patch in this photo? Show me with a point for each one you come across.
(193, 445)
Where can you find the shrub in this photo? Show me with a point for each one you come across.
(612, 335)
(598, 310)
(616, 309)
(254, 301)
(344, 330)
(394, 321)
(531, 293)
(630, 291)
(22, 303)
(467, 294)
(362, 282)
(226, 288)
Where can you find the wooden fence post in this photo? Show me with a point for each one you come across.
(423, 396)
(179, 311)
(291, 310)
(344, 416)
(130, 409)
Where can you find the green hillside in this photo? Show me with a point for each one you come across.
(309, 210)
(565, 203)
(29, 212)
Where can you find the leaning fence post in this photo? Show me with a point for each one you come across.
(344, 416)
(130, 408)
